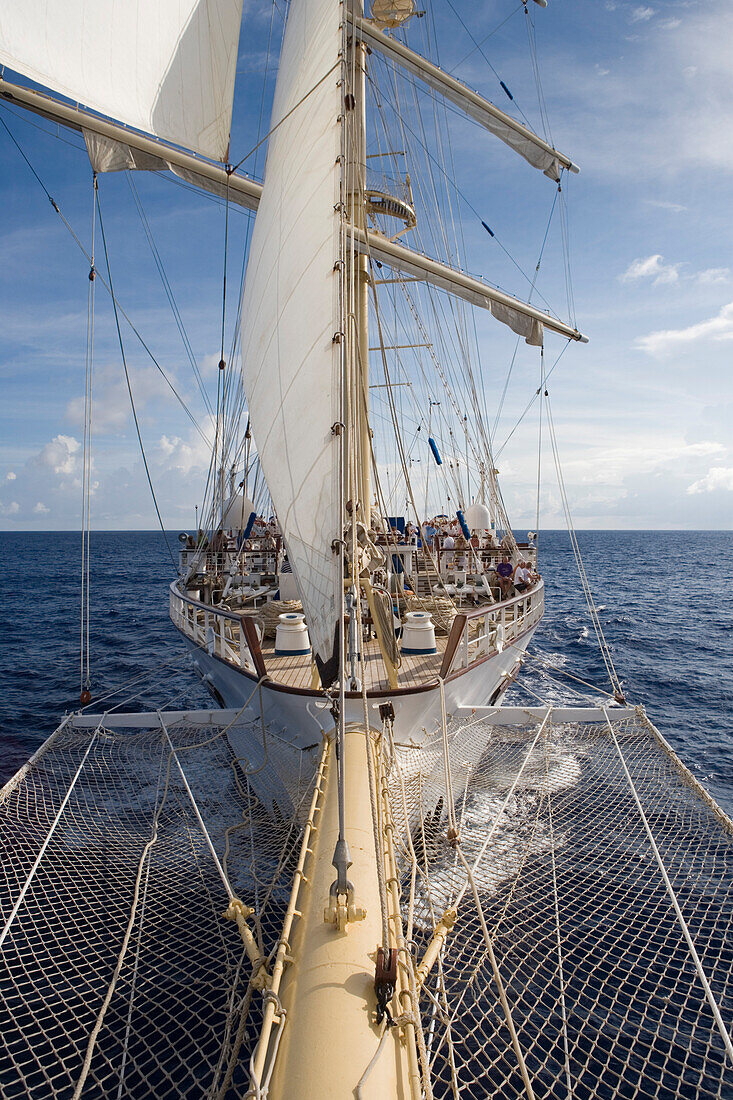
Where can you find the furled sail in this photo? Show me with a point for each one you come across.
(524, 141)
(166, 68)
(113, 147)
(290, 310)
(521, 317)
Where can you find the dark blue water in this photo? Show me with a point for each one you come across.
(666, 602)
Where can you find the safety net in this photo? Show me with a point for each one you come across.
(584, 877)
(592, 883)
(122, 847)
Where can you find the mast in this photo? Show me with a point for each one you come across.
(359, 488)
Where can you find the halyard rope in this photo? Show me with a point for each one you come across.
(84, 672)
(593, 611)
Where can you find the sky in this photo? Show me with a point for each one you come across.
(639, 95)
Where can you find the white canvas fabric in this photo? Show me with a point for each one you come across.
(290, 311)
(108, 155)
(163, 66)
(528, 327)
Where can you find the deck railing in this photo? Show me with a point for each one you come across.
(483, 630)
(255, 560)
(220, 632)
(474, 635)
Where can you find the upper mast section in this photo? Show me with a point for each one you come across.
(358, 450)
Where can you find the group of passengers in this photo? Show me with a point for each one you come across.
(263, 536)
(512, 579)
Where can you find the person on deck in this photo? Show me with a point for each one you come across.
(504, 572)
(522, 577)
(461, 555)
(428, 534)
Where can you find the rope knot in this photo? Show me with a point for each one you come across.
(403, 1020)
(237, 909)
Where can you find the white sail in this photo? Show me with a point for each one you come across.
(163, 66)
(290, 309)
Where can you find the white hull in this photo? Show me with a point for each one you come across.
(296, 720)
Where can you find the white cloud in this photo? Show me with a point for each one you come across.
(652, 267)
(641, 15)
(663, 342)
(111, 400)
(210, 363)
(185, 455)
(662, 204)
(61, 455)
(717, 477)
(670, 24)
(40, 509)
(10, 476)
(713, 275)
(10, 509)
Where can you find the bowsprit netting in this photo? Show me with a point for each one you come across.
(563, 907)
(120, 977)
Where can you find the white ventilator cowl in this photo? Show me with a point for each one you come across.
(236, 512)
(478, 517)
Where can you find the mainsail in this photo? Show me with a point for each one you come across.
(290, 310)
(166, 68)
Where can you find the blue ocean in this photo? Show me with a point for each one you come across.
(665, 601)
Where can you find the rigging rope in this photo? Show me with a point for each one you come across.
(101, 278)
(585, 583)
(129, 387)
(84, 649)
(529, 299)
(169, 290)
(539, 448)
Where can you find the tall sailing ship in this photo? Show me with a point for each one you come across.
(362, 805)
(331, 601)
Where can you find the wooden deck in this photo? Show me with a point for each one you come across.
(413, 670)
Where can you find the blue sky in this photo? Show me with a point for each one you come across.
(640, 95)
